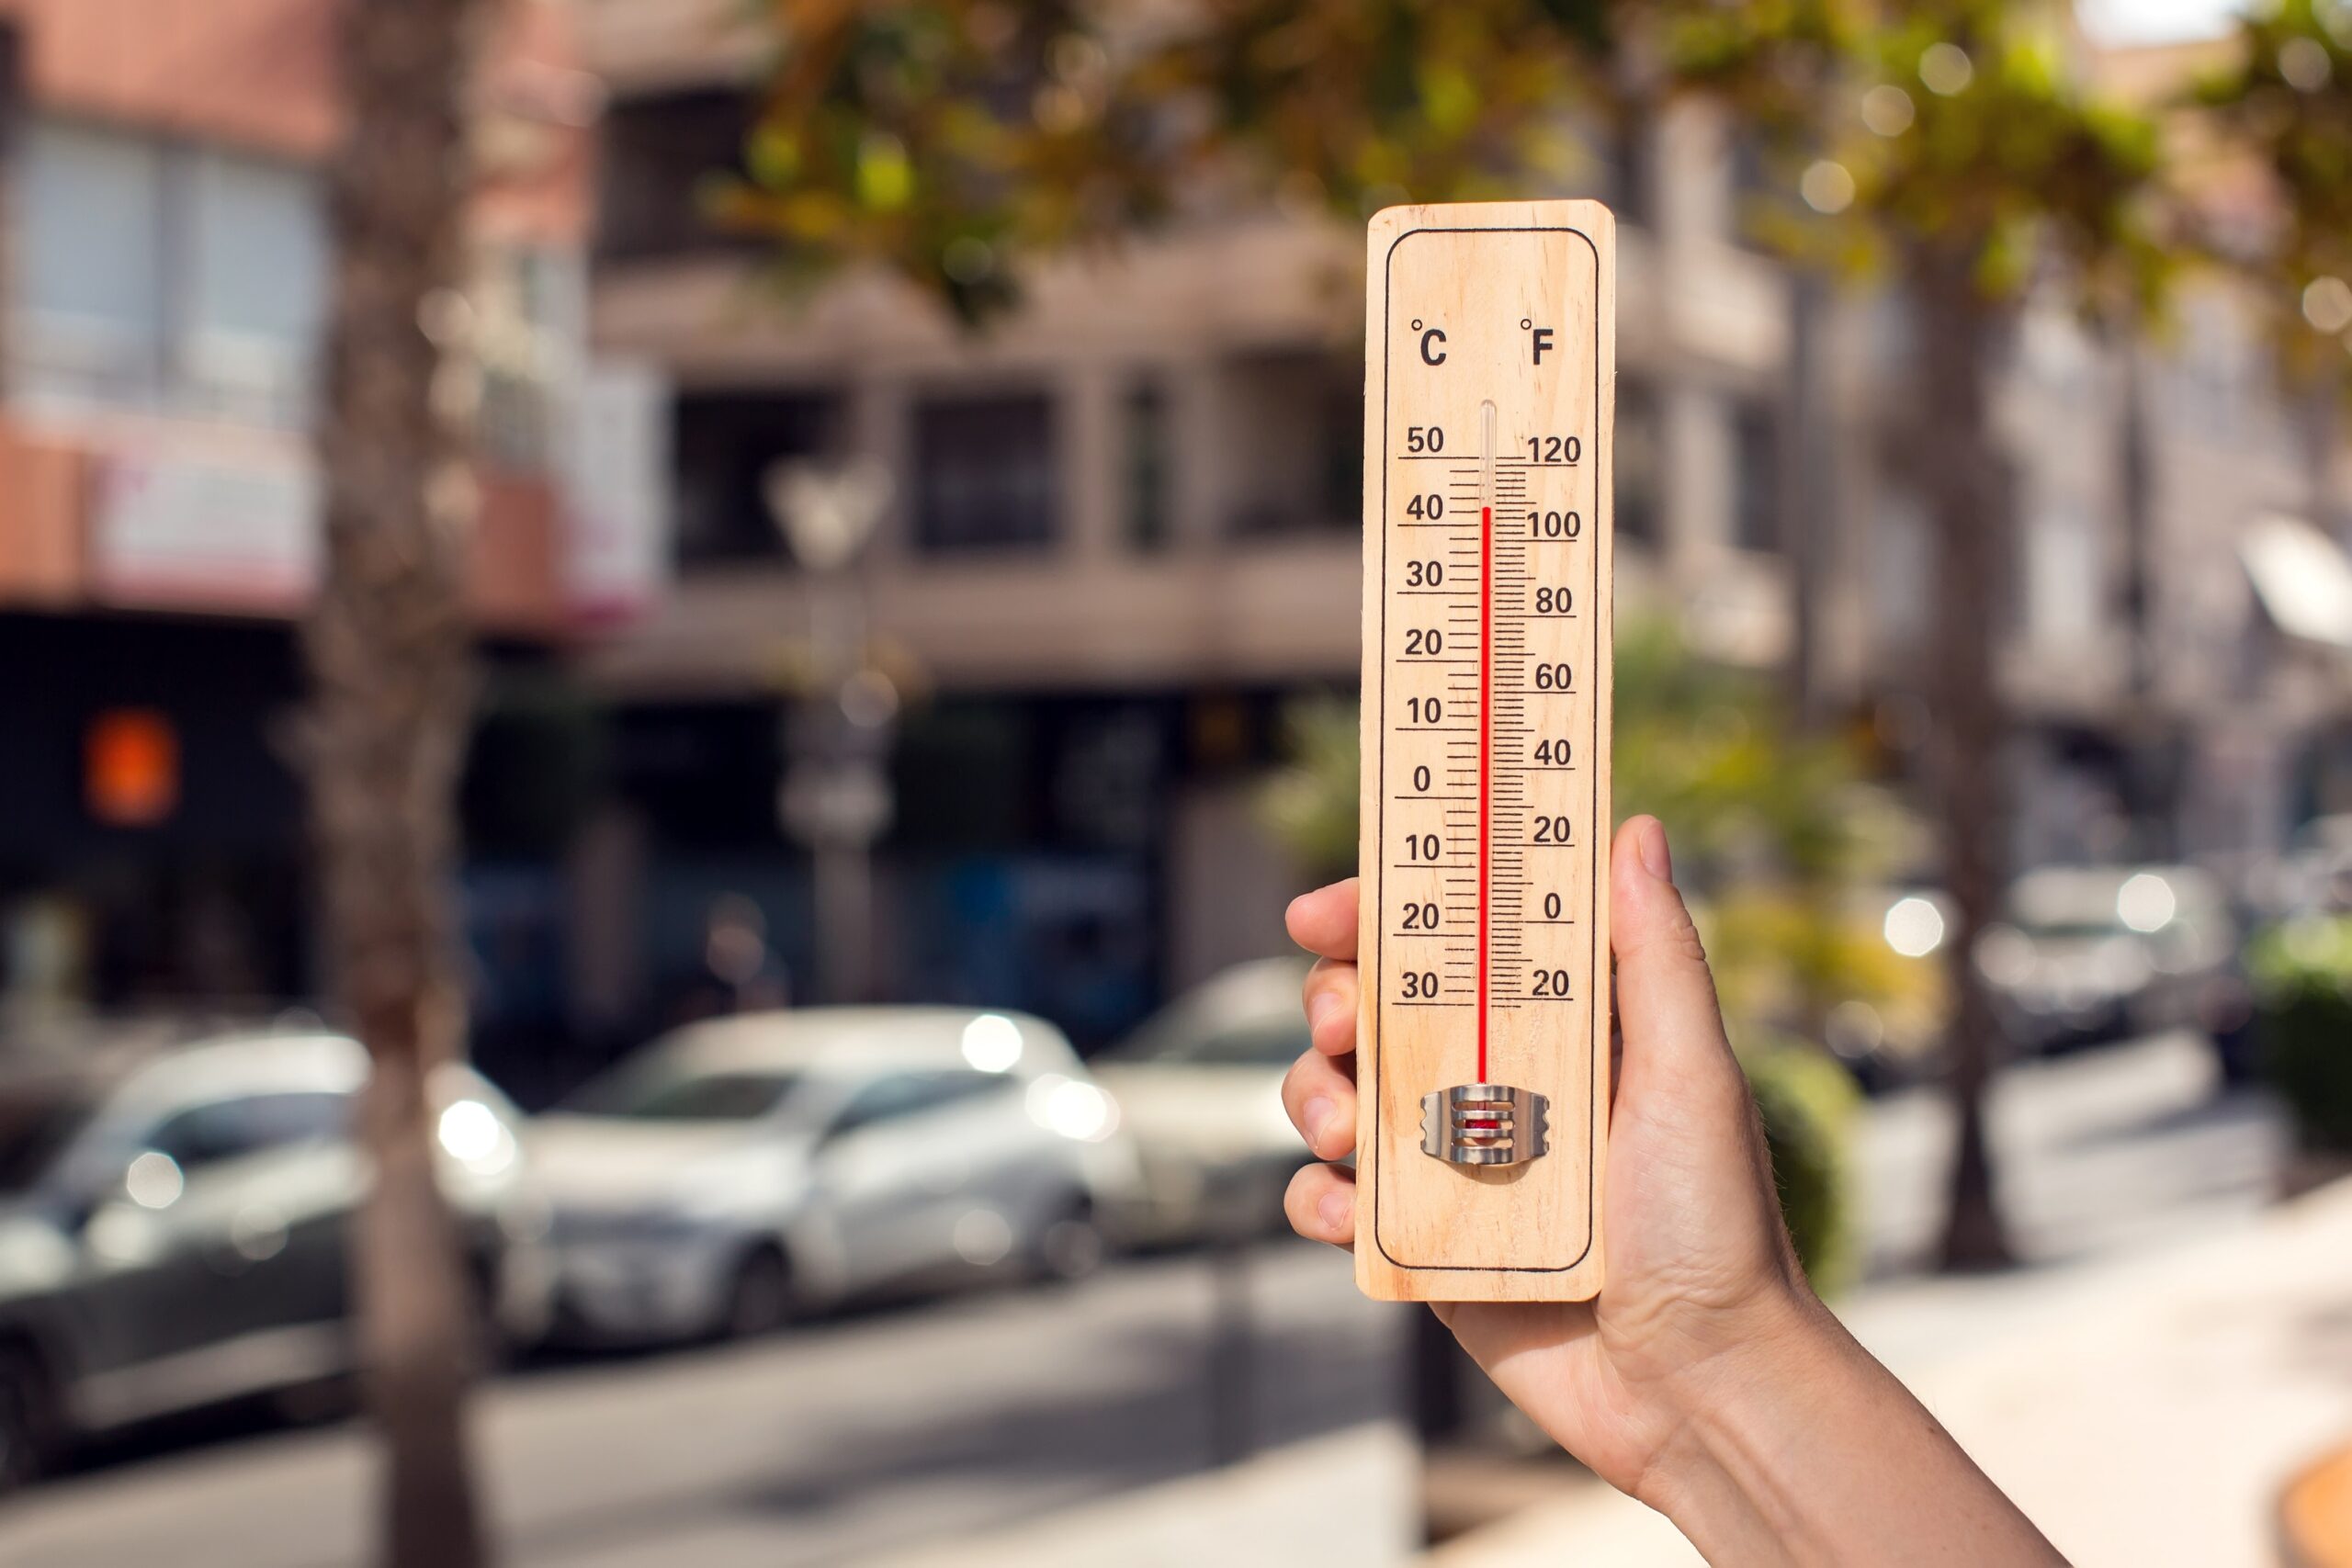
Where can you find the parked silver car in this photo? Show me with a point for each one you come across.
(742, 1169)
(1200, 1084)
(172, 1233)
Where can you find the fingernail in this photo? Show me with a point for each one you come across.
(1656, 858)
(1321, 1009)
(1319, 1111)
(1335, 1208)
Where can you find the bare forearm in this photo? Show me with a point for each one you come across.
(1809, 1452)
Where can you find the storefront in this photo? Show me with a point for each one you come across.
(150, 827)
(1057, 854)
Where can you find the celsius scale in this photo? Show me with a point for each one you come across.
(1482, 1045)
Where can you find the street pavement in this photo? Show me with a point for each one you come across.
(828, 1444)
(2101, 1154)
(847, 1441)
(2099, 1149)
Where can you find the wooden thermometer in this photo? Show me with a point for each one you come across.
(1490, 357)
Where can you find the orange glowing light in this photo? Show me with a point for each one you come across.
(131, 768)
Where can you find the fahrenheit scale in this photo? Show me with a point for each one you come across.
(1483, 1051)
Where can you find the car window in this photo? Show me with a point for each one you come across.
(1257, 1042)
(1269, 1043)
(228, 1129)
(901, 1095)
(2081, 930)
(36, 1126)
(664, 1094)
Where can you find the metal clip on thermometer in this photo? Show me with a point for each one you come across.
(1483, 1050)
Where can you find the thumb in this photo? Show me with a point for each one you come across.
(1666, 997)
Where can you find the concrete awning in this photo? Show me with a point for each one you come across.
(2303, 578)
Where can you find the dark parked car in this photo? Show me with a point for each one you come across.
(172, 1231)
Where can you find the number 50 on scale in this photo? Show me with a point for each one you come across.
(1483, 1050)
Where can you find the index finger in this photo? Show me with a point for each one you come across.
(1324, 921)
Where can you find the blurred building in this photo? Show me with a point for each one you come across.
(163, 172)
(2181, 644)
(1125, 536)
(1123, 541)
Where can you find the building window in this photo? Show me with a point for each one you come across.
(1291, 431)
(155, 274)
(1149, 508)
(1754, 190)
(531, 310)
(659, 157)
(1756, 478)
(1902, 570)
(985, 473)
(2064, 580)
(257, 255)
(1632, 169)
(1636, 458)
(90, 279)
(724, 443)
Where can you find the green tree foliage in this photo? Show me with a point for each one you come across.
(1809, 1107)
(1312, 804)
(2283, 111)
(1776, 830)
(946, 140)
(934, 140)
(2303, 973)
(1955, 128)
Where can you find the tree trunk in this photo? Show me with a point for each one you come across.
(390, 664)
(1971, 528)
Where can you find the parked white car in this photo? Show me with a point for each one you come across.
(1200, 1087)
(738, 1171)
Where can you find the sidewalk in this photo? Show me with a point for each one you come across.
(2143, 1411)
(1352, 1497)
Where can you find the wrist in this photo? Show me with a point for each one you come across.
(1797, 1447)
(1730, 1411)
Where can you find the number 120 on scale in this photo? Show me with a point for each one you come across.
(1483, 1054)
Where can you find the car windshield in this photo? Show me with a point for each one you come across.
(1259, 1043)
(35, 1126)
(2073, 930)
(664, 1091)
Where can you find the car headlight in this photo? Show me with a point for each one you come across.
(473, 1134)
(1071, 1108)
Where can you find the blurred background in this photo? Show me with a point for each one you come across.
(915, 642)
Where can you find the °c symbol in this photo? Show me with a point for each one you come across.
(1431, 352)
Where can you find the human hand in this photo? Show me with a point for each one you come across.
(1706, 1379)
(1700, 1264)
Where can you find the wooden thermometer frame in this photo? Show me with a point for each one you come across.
(1490, 363)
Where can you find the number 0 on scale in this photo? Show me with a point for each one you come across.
(1483, 1052)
